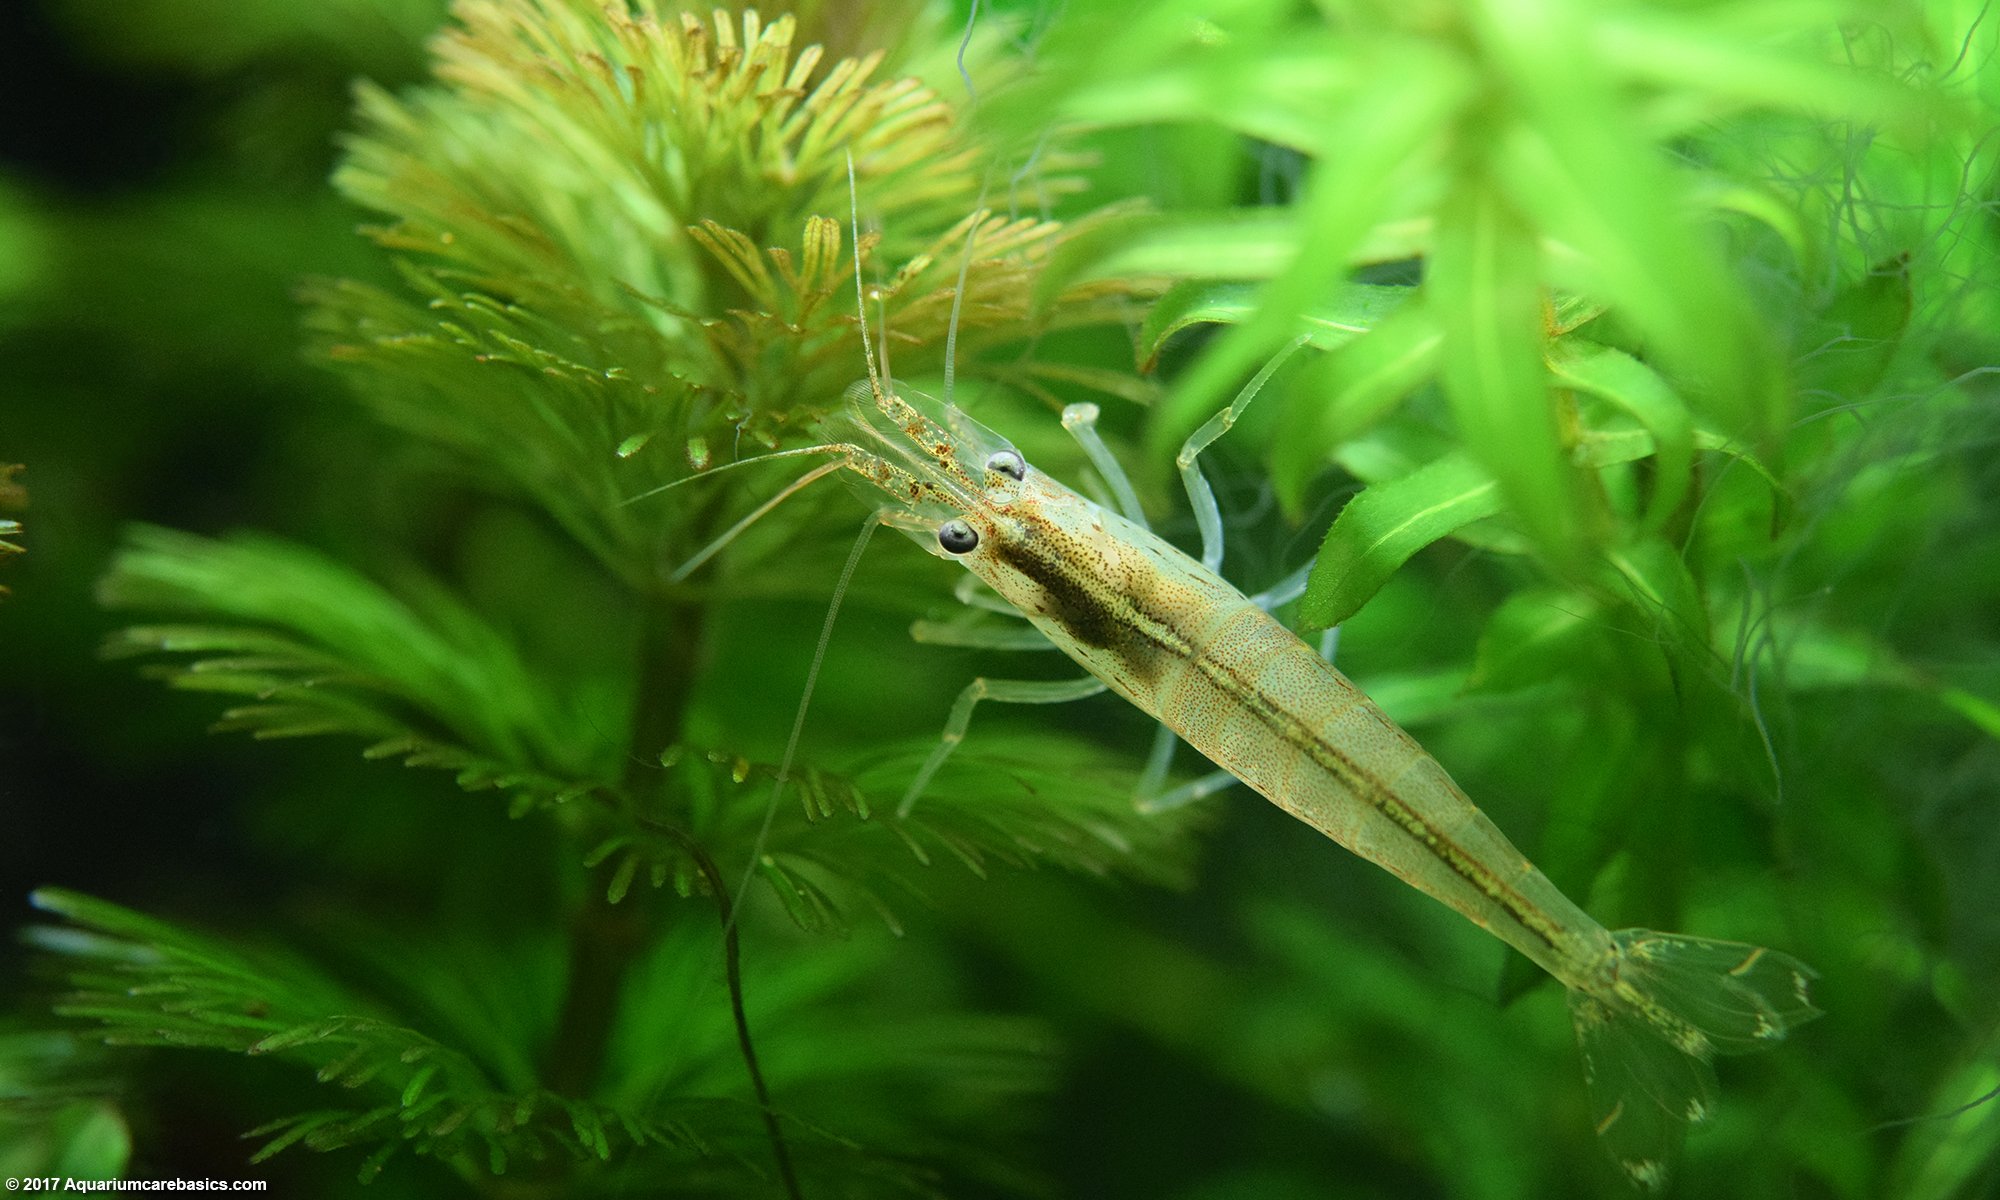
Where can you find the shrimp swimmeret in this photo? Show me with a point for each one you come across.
(1168, 634)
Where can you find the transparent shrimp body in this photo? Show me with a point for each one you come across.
(1168, 634)
(1184, 646)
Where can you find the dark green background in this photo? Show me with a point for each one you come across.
(1288, 1021)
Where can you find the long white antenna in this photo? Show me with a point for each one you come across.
(839, 589)
(860, 298)
(971, 18)
(799, 720)
(958, 299)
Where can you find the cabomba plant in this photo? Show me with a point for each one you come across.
(1643, 338)
(619, 265)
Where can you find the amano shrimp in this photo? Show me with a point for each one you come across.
(1168, 634)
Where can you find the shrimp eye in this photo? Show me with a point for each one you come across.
(1008, 463)
(957, 537)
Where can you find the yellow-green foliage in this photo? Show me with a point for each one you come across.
(1641, 413)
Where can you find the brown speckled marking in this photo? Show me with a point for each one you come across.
(1156, 635)
(1376, 792)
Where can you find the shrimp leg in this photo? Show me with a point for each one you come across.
(1148, 797)
(1207, 517)
(1080, 421)
(971, 631)
(1152, 795)
(1005, 691)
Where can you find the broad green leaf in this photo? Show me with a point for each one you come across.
(1640, 391)
(1977, 709)
(57, 1112)
(1237, 244)
(1817, 656)
(1537, 636)
(1608, 448)
(1250, 66)
(1580, 167)
(1653, 576)
(1708, 439)
(1761, 204)
(1483, 287)
(1416, 698)
(1668, 48)
(1371, 153)
(1353, 309)
(1391, 450)
(96, 1142)
(1233, 245)
(1845, 353)
(1279, 96)
(1034, 374)
(1569, 312)
(1381, 528)
(1347, 391)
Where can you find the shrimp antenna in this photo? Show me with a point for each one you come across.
(958, 292)
(839, 589)
(860, 304)
(791, 489)
(1966, 1107)
(971, 19)
(732, 963)
(842, 448)
(799, 719)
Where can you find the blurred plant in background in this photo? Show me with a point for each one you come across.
(1656, 340)
(13, 497)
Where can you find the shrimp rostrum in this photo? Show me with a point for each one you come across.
(1168, 634)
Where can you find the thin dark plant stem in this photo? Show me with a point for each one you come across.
(1968, 1106)
(733, 968)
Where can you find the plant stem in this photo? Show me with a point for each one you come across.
(603, 940)
(604, 937)
(732, 966)
(669, 645)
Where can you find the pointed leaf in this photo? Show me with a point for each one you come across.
(1484, 287)
(1640, 391)
(1372, 151)
(1351, 310)
(1236, 244)
(1346, 392)
(1381, 528)
(1537, 636)
(1654, 577)
(1849, 348)
(1945, 1156)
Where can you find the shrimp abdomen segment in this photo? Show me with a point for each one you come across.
(1264, 706)
(1176, 640)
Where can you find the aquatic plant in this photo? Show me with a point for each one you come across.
(1646, 361)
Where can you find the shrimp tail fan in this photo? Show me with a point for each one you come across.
(1666, 1006)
